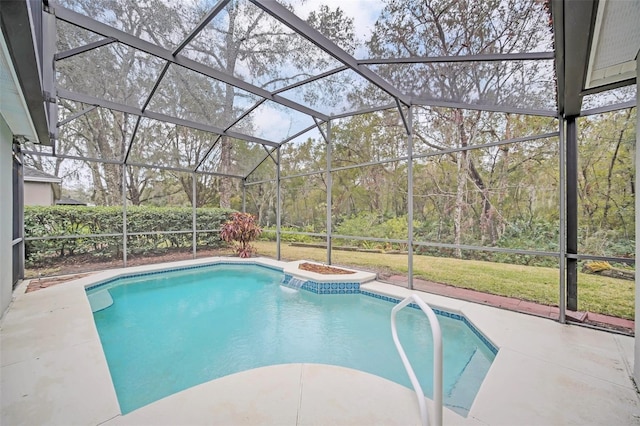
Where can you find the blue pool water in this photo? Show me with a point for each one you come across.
(167, 332)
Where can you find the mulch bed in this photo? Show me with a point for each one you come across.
(75, 267)
(88, 263)
(323, 269)
(38, 284)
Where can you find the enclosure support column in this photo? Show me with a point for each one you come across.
(7, 218)
(562, 205)
(329, 189)
(193, 207)
(7, 215)
(636, 367)
(278, 204)
(49, 72)
(572, 214)
(410, 198)
(244, 195)
(124, 215)
(18, 208)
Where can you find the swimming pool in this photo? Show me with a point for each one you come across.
(165, 332)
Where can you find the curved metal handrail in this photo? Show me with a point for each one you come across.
(437, 359)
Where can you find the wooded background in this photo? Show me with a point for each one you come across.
(497, 196)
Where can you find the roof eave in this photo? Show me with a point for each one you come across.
(573, 22)
(17, 32)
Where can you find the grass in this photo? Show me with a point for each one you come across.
(596, 294)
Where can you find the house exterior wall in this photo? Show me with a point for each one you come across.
(6, 215)
(38, 194)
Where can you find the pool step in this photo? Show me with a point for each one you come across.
(100, 300)
(464, 389)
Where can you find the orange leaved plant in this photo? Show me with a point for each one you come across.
(241, 229)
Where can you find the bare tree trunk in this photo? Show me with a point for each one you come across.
(487, 214)
(614, 158)
(225, 144)
(186, 183)
(99, 194)
(261, 204)
(113, 178)
(135, 188)
(225, 182)
(107, 178)
(272, 208)
(503, 178)
(462, 161)
(457, 216)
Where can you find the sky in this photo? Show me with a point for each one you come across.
(363, 12)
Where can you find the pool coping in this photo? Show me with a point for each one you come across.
(321, 284)
(312, 281)
(107, 277)
(359, 277)
(54, 371)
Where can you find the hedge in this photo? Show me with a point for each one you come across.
(83, 220)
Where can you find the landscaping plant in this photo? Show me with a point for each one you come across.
(100, 223)
(241, 229)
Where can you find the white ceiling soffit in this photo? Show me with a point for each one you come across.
(13, 106)
(615, 43)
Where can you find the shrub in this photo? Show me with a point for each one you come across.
(597, 266)
(367, 224)
(241, 229)
(48, 221)
(269, 234)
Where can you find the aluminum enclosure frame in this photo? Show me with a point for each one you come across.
(569, 54)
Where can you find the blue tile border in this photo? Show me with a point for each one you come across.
(354, 288)
(183, 268)
(446, 314)
(324, 288)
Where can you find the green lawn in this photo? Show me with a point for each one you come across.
(538, 284)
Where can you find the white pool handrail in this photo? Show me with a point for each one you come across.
(437, 359)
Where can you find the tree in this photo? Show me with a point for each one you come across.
(380, 187)
(246, 45)
(606, 191)
(304, 197)
(431, 28)
(102, 134)
(243, 41)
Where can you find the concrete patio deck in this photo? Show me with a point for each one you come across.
(53, 371)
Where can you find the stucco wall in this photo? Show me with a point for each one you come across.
(6, 214)
(38, 194)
